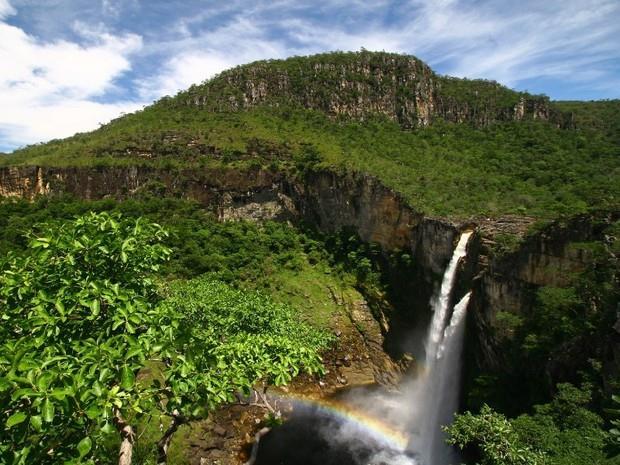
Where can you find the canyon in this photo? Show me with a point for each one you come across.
(330, 202)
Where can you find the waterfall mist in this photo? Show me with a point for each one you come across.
(418, 409)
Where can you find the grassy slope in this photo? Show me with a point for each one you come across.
(529, 167)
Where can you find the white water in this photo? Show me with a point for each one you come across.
(424, 403)
(435, 392)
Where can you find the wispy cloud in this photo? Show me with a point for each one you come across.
(101, 57)
(6, 9)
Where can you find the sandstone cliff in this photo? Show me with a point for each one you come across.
(359, 85)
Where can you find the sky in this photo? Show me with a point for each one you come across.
(67, 66)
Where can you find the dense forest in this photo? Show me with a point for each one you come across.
(126, 321)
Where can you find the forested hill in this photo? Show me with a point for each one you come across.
(358, 85)
(452, 147)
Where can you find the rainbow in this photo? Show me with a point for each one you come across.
(375, 428)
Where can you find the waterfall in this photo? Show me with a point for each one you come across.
(441, 302)
(435, 391)
(417, 411)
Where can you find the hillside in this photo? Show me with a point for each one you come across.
(316, 222)
(452, 147)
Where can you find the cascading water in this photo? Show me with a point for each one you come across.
(416, 412)
(435, 391)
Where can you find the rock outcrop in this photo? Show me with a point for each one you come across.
(365, 84)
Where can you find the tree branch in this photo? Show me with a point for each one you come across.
(164, 443)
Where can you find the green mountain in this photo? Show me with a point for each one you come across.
(452, 147)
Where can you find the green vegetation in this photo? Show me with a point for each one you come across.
(528, 167)
(76, 313)
(564, 336)
(81, 318)
(562, 432)
(294, 267)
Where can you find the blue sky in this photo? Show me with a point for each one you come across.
(69, 65)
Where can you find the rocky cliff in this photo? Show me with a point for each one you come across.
(325, 199)
(331, 202)
(360, 85)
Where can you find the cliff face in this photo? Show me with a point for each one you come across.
(509, 285)
(325, 199)
(358, 85)
(331, 202)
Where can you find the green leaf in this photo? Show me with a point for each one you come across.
(60, 306)
(127, 377)
(4, 384)
(98, 388)
(95, 307)
(15, 419)
(108, 429)
(47, 410)
(93, 411)
(84, 446)
(36, 423)
(60, 394)
(133, 352)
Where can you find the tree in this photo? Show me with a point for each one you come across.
(561, 432)
(81, 315)
(76, 313)
(495, 438)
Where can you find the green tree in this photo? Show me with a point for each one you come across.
(495, 438)
(76, 313)
(81, 317)
(561, 432)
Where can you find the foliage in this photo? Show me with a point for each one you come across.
(497, 441)
(76, 313)
(296, 266)
(614, 432)
(562, 432)
(226, 340)
(81, 318)
(565, 429)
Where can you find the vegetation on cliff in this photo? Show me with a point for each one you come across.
(564, 431)
(506, 164)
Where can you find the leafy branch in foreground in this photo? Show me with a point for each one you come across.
(80, 319)
(76, 313)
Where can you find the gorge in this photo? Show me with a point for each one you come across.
(457, 260)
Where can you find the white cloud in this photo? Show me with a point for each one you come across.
(195, 59)
(50, 89)
(6, 9)
(565, 40)
(571, 42)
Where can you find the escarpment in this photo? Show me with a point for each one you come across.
(332, 202)
(362, 85)
(327, 200)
